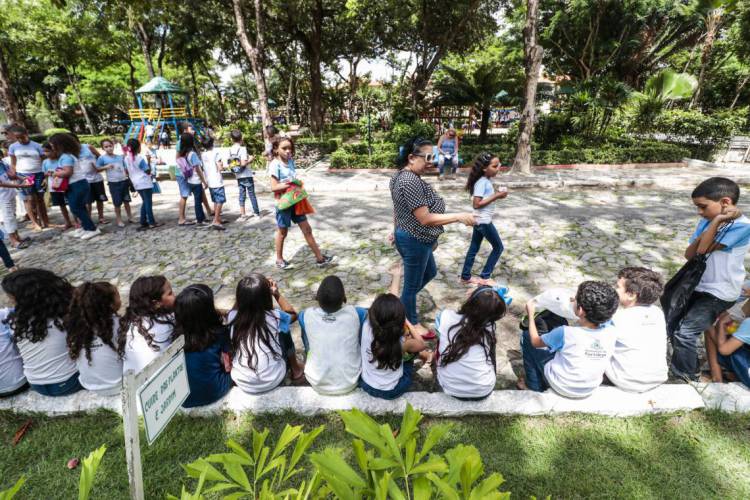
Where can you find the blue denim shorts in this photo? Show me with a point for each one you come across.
(285, 218)
(182, 183)
(36, 188)
(218, 195)
(60, 388)
(401, 387)
(120, 192)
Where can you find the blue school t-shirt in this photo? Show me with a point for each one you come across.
(117, 172)
(743, 332)
(207, 378)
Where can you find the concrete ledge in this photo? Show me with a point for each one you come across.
(732, 397)
(608, 401)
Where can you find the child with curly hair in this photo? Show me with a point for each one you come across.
(207, 345)
(40, 301)
(93, 327)
(147, 327)
(466, 367)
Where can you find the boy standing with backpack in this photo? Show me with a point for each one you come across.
(238, 161)
(716, 199)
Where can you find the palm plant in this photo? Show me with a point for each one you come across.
(659, 90)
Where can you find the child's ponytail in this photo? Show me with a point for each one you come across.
(481, 162)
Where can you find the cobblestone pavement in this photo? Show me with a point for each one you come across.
(551, 238)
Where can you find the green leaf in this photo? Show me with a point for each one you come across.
(259, 438)
(409, 423)
(393, 448)
(274, 464)
(198, 467)
(360, 454)
(239, 450)
(381, 487)
(238, 475)
(288, 435)
(379, 464)
(488, 488)
(362, 426)
(260, 464)
(447, 490)
(394, 491)
(422, 488)
(13, 490)
(434, 436)
(410, 453)
(434, 464)
(331, 464)
(221, 487)
(303, 443)
(88, 471)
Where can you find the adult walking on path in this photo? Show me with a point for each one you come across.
(419, 216)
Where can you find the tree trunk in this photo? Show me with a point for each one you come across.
(353, 86)
(316, 93)
(133, 83)
(255, 54)
(195, 109)
(532, 61)
(484, 123)
(712, 26)
(162, 50)
(145, 41)
(7, 96)
(740, 86)
(291, 96)
(74, 83)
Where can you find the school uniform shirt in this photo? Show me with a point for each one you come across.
(241, 153)
(210, 161)
(47, 361)
(205, 370)
(138, 353)
(483, 189)
(117, 172)
(472, 376)
(104, 372)
(270, 370)
(137, 167)
(11, 364)
(194, 160)
(68, 160)
(88, 163)
(725, 268)
(409, 192)
(7, 195)
(333, 361)
(581, 356)
(28, 157)
(383, 379)
(639, 362)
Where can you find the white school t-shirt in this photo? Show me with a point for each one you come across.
(639, 362)
(28, 157)
(88, 164)
(581, 356)
(68, 160)
(472, 376)
(194, 160)
(333, 360)
(270, 370)
(725, 268)
(210, 161)
(117, 171)
(483, 189)
(104, 372)
(7, 195)
(241, 153)
(138, 353)
(47, 361)
(137, 167)
(284, 172)
(11, 364)
(383, 379)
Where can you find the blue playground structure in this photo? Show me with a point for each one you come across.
(164, 113)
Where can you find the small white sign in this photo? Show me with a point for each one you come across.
(162, 395)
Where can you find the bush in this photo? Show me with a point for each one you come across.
(698, 128)
(647, 152)
(51, 131)
(252, 135)
(379, 159)
(551, 128)
(402, 132)
(96, 140)
(361, 147)
(324, 146)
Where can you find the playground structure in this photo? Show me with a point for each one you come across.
(164, 113)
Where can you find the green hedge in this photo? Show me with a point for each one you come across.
(345, 159)
(324, 146)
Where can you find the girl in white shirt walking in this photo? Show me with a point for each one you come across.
(139, 172)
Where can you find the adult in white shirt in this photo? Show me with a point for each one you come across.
(26, 162)
(639, 362)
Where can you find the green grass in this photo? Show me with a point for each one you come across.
(691, 455)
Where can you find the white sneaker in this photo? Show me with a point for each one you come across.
(87, 235)
(75, 233)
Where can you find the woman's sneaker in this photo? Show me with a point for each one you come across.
(327, 261)
(87, 235)
(283, 265)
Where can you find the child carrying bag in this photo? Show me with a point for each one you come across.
(677, 292)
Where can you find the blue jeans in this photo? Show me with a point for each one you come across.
(534, 360)
(739, 363)
(78, 196)
(247, 184)
(453, 161)
(5, 255)
(480, 232)
(197, 191)
(401, 387)
(147, 207)
(419, 269)
(60, 388)
(703, 310)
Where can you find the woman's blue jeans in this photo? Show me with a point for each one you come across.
(147, 207)
(480, 232)
(419, 269)
(197, 191)
(78, 195)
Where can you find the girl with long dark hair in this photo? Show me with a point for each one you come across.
(261, 341)
(92, 327)
(466, 360)
(483, 195)
(191, 168)
(207, 345)
(139, 172)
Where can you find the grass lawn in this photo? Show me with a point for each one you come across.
(690, 455)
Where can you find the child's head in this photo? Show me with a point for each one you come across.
(133, 146)
(331, 295)
(19, 132)
(253, 302)
(477, 326)
(90, 316)
(63, 143)
(49, 151)
(714, 195)
(185, 128)
(596, 302)
(207, 143)
(38, 296)
(485, 165)
(271, 131)
(108, 146)
(187, 144)
(236, 136)
(282, 148)
(415, 153)
(638, 286)
(151, 299)
(387, 318)
(196, 317)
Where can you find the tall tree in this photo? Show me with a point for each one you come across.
(532, 63)
(8, 98)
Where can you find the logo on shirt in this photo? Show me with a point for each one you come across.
(595, 350)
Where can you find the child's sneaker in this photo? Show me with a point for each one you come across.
(87, 235)
(327, 261)
(76, 233)
(283, 265)
(218, 227)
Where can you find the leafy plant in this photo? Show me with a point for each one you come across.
(269, 470)
(13, 490)
(88, 472)
(660, 89)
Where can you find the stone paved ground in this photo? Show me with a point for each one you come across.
(552, 237)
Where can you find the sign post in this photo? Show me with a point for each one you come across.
(160, 388)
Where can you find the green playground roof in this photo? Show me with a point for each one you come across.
(159, 85)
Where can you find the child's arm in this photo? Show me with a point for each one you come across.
(396, 272)
(480, 202)
(277, 186)
(412, 340)
(702, 244)
(725, 343)
(536, 340)
(14, 186)
(283, 303)
(94, 151)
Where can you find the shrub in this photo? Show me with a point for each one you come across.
(401, 132)
(379, 159)
(252, 135)
(649, 152)
(324, 146)
(696, 127)
(50, 131)
(551, 128)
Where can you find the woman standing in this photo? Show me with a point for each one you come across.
(419, 217)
